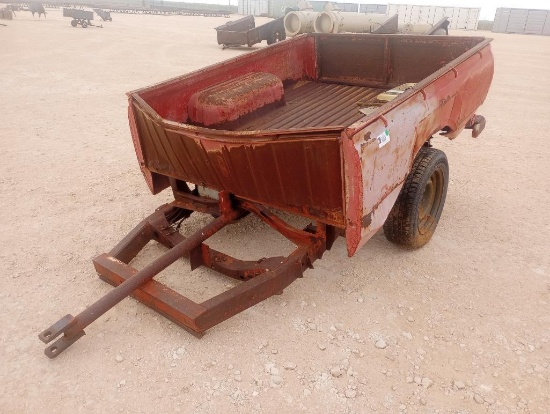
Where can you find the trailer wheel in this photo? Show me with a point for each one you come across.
(74, 22)
(414, 217)
(84, 25)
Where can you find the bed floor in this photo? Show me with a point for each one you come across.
(315, 104)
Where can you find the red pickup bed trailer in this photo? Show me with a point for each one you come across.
(303, 126)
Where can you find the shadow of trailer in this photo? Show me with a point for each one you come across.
(244, 32)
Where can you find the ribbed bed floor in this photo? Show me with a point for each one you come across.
(315, 104)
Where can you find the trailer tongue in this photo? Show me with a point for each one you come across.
(260, 279)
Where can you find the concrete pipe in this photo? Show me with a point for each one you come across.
(297, 22)
(338, 22)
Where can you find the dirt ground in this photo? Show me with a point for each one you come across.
(465, 321)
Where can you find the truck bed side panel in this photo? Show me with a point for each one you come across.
(375, 171)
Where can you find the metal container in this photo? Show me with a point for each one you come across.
(527, 21)
(373, 8)
(459, 17)
(244, 32)
(254, 7)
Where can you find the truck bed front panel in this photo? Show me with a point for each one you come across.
(301, 173)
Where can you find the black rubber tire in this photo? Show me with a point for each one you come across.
(414, 216)
(74, 23)
(84, 25)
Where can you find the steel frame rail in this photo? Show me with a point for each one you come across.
(260, 279)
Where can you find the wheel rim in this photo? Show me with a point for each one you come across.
(431, 202)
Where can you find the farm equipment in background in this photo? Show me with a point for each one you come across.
(6, 13)
(79, 17)
(244, 32)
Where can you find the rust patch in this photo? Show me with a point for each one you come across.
(367, 220)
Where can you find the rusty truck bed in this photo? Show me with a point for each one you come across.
(283, 126)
